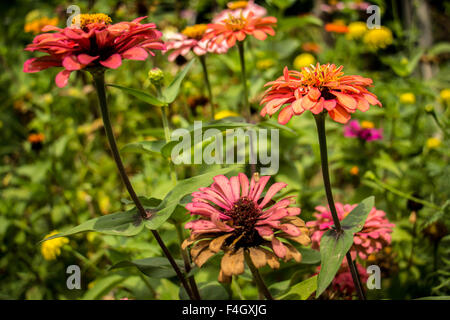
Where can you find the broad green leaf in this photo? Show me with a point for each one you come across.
(171, 92)
(103, 286)
(208, 291)
(141, 95)
(334, 246)
(155, 267)
(127, 223)
(144, 146)
(309, 256)
(183, 188)
(301, 291)
(355, 220)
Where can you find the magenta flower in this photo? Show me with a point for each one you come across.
(191, 39)
(364, 131)
(97, 43)
(235, 217)
(236, 7)
(375, 234)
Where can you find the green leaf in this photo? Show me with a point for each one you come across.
(334, 246)
(185, 187)
(171, 92)
(141, 95)
(301, 291)
(144, 146)
(128, 223)
(355, 220)
(309, 256)
(208, 291)
(155, 267)
(103, 286)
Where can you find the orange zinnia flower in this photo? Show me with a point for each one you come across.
(336, 28)
(232, 29)
(316, 88)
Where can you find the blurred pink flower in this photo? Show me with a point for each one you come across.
(97, 43)
(343, 281)
(363, 131)
(339, 6)
(190, 39)
(375, 234)
(235, 8)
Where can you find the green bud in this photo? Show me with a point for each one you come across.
(369, 175)
(429, 108)
(156, 76)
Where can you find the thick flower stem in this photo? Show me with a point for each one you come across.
(208, 85)
(320, 122)
(99, 80)
(246, 109)
(257, 277)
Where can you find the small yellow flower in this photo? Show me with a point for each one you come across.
(356, 30)
(433, 143)
(224, 114)
(195, 31)
(304, 60)
(237, 5)
(408, 98)
(354, 171)
(104, 203)
(264, 64)
(445, 95)
(367, 124)
(52, 248)
(378, 38)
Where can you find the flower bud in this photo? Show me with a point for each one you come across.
(156, 76)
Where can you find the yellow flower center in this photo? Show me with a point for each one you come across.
(367, 125)
(237, 5)
(195, 31)
(234, 23)
(88, 18)
(318, 75)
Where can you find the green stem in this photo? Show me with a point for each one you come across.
(99, 80)
(257, 277)
(246, 109)
(320, 122)
(208, 85)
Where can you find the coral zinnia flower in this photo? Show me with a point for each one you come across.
(191, 39)
(375, 234)
(364, 131)
(336, 27)
(317, 88)
(95, 44)
(237, 28)
(235, 8)
(235, 218)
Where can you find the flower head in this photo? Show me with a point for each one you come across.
(52, 248)
(311, 47)
(304, 60)
(190, 39)
(407, 98)
(235, 218)
(35, 26)
(375, 234)
(343, 281)
(433, 143)
(445, 95)
(236, 7)
(232, 29)
(364, 131)
(378, 38)
(317, 88)
(356, 30)
(336, 27)
(97, 43)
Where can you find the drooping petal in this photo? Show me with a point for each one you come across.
(62, 78)
(113, 62)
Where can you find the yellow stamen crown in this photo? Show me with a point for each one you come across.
(367, 125)
(195, 31)
(88, 18)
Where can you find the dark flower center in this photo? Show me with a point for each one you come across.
(244, 215)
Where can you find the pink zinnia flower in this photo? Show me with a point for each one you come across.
(236, 218)
(190, 39)
(343, 281)
(95, 44)
(236, 7)
(364, 131)
(375, 234)
(234, 29)
(317, 88)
